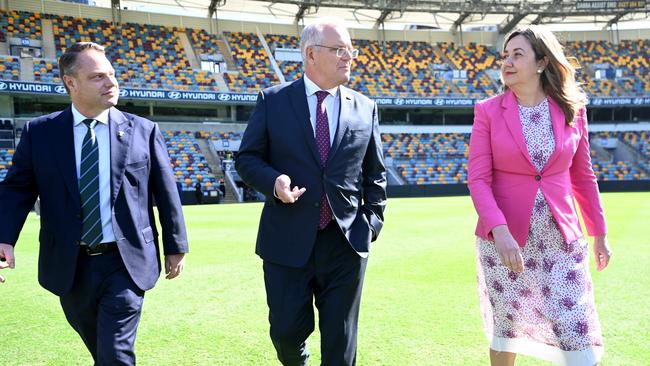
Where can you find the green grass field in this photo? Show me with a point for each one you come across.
(419, 307)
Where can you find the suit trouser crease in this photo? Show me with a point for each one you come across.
(332, 279)
(104, 307)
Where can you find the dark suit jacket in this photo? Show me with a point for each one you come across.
(279, 139)
(44, 165)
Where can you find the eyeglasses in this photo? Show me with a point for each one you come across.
(340, 52)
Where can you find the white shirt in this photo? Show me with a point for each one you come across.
(103, 140)
(332, 106)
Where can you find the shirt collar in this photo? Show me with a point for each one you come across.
(79, 118)
(311, 88)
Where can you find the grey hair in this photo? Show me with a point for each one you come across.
(312, 34)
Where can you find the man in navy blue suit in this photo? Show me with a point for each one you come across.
(97, 172)
(313, 148)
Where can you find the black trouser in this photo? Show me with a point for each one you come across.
(333, 276)
(104, 307)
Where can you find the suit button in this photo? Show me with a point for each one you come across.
(538, 178)
(316, 204)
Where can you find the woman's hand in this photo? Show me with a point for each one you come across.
(602, 252)
(508, 248)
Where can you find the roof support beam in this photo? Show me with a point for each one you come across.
(461, 18)
(214, 4)
(116, 11)
(382, 17)
(557, 9)
(511, 22)
(300, 13)
(615, 19)
(540, 18)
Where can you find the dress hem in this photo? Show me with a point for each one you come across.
(586, 357)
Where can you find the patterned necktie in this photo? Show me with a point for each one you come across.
(91, 228)
(323, 144)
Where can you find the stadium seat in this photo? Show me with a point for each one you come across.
(188, 161)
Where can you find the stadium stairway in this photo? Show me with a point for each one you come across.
(442, 55)
(26, 69)
(393, 177)
(227, 53)
(221, 82)
(189, 51)
(48, 50)
(215, 164)
(623, 153)
(274, 63)
(601, 153)
(626, 152)
(445, 58)
(495, 78)
(230, 63)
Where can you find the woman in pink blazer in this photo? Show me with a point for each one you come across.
(529, 162)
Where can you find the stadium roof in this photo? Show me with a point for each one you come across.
(411, 14)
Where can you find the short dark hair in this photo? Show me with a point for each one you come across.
(68, 61)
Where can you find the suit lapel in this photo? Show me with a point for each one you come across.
(62, 134)
(559, 124)
(121, 134)
(298, 101)
(511, 115)
(345, 108)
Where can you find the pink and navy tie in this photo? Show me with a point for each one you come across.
(323, 144)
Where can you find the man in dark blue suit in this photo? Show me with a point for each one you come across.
(313, 148)
(97, 172)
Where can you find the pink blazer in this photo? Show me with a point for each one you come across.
(503, 181)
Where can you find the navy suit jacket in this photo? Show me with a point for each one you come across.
(44, 165)
(279, 139)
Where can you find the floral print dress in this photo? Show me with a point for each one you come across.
(548, 310)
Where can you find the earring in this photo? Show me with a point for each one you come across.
(539, 71)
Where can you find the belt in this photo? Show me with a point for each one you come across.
(99, 249)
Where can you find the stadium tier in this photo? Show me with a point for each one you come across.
(424, 158)
(190, 165)
(5, 161)
(20, 24)
(623, 67)
(291, 70)
(203, 41)
(46, 71)
(419, 158)
(477, 60)
(152, 56)
(639, 140)
(607, 169)
(144, 56)
(9, 68)
(620, 170)
(397, 68)
(253, 65)
(226, 136)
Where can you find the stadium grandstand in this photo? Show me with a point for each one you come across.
(425, 63)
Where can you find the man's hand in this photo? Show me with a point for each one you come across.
(284, 192)
(174, 264)
(7, 259)
(508, 249)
